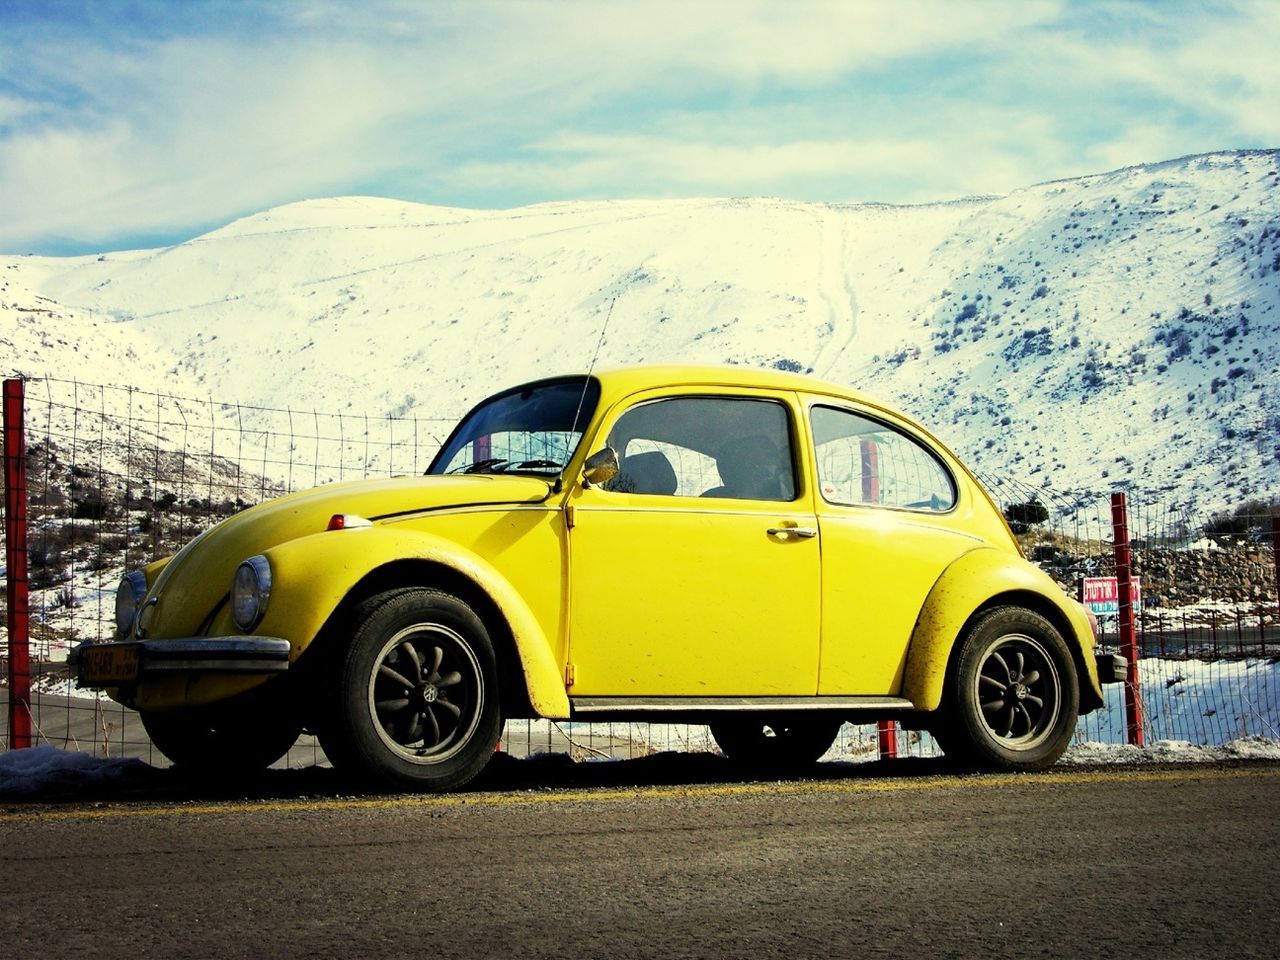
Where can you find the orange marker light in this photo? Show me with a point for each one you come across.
(347, 521)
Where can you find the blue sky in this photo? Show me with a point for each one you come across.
(127, 124)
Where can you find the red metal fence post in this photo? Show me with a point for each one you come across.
(15, 533)
(886, 730)
(870, 471)
(1128, 644)
(1275, 558)
(887, 737)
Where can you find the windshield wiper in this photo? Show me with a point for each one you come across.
(501, 465)
(480, 466)
(539, 465)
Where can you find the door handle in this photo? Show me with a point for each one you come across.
(800, 533)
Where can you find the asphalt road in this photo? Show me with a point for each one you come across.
(1152, 862)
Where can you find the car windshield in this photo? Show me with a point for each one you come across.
(531, 429)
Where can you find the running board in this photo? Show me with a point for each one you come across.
(734, 704)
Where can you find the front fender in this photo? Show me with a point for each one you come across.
(312, 575)
(972, 581)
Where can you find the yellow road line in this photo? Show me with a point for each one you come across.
(433, 801)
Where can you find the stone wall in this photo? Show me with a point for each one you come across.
(1239, 573)
(1173, 578)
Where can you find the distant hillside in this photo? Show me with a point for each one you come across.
(1115, 329)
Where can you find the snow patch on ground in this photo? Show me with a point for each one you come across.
(1172, 751)
(46, 771)
(42, 771)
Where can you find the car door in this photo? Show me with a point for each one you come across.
(891, 523)
(695, 571)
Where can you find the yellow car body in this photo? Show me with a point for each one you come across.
(607, 599)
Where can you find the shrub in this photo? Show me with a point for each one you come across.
(1026, 514)
(90, 507)
(1251, 519)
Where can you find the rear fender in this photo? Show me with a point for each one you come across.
(978, 579)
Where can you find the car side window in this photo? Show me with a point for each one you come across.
(865, 461)
(705, 447)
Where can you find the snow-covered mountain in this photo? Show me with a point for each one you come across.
(1118, 329)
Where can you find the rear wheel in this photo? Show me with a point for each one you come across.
(1013, 696)
(782, 743)
(414, 697)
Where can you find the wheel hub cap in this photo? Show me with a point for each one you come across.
(424, 693)
(1018, 692)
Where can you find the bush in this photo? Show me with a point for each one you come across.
(91, 507)
(1250, 520)
(1026, 514)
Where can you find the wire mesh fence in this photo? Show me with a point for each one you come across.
(1207, 616)
(117, 476)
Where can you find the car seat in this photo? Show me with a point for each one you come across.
(753, 468)
(649, 473)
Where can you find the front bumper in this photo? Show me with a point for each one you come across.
(1112, 667)
(102, 665)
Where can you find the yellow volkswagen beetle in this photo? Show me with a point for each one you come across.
(755, 550)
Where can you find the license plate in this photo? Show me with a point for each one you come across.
(110, 664)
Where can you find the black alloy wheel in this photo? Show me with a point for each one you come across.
(414, 694)
(1013, 697)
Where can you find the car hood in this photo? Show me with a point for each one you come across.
(192, 586)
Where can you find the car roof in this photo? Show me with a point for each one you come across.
(628, 379)
(617, 382)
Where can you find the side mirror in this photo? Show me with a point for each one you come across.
(601, 466)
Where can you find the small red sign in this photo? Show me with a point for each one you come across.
(1102, 595)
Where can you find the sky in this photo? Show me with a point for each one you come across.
(128, 123)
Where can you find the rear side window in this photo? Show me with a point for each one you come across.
(865, 461)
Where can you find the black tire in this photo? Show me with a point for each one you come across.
(1013, 696)
(414, 695)
(778, 743)
(237, 738)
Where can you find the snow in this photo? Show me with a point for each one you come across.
(45, 770)
(1057, 307)
(1173, 751)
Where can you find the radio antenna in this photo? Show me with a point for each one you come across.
(592, 366)
(582, 398)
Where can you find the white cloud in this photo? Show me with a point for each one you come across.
(561, 99)
(13, 109)
(699, 157)
(215, 129)
(1214, 64)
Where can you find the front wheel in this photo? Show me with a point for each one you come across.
(1013, 695)
(790, 743)
(415, 693)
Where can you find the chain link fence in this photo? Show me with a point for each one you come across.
(116, 476)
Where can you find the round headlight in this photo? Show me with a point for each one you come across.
(129, 596)
(250, 591)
